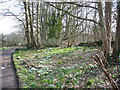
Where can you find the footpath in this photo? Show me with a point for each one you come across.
(8, 75)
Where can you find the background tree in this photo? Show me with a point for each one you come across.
(116, 51)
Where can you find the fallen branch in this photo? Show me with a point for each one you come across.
(99, 61)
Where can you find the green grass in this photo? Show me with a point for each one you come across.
(4, 48)
(57, 68)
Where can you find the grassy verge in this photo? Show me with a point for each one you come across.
(58, 68)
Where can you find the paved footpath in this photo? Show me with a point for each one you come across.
(9, 78)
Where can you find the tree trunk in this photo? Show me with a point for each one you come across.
(108, 6)
(116, 51)
(44, 25)
(37, 29)
(103, 30)
(31, 26)
(95, 30)
(27, 25)
(68, 29)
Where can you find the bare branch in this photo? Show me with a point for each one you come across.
(74, 15)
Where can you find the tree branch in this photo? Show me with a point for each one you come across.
(85, 6)
(17, 18)
(73, 15)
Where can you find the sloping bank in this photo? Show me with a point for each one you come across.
(70, 67)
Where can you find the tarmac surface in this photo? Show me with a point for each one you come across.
(8, 72)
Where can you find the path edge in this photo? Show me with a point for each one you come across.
(14, 69)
